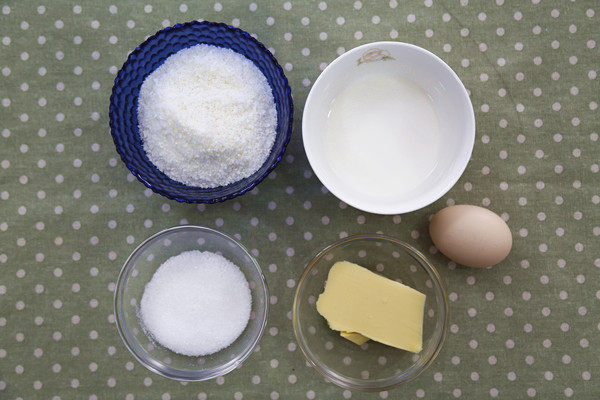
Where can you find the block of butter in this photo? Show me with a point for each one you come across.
(356, 300)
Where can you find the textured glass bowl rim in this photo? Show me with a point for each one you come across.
(172, 373)
(267, 168)
(398, 379)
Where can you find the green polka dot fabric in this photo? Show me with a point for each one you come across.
(70, 213)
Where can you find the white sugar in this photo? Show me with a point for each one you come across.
(196, 303)
(207, 116)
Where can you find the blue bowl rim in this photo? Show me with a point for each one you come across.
(251, 185)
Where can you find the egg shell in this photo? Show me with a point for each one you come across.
(471, 235)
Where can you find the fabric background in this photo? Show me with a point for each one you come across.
(70, 213)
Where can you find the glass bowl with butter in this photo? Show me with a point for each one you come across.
(359, 293)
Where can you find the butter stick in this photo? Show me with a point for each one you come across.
(356, 300)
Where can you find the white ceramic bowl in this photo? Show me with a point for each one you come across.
(451, 103)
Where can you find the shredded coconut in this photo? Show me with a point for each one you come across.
(196, 303)
(207, 117)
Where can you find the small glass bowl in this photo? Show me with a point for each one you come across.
(372, 366)
(150, 55)
(137, 272)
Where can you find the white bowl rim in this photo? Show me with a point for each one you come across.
(401, 208)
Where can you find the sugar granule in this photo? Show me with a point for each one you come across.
(196, 303)
(207, 116)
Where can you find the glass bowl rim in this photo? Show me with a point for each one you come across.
(266, 167)
(172, 373)
(398, 379)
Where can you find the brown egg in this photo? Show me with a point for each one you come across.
(471, 235)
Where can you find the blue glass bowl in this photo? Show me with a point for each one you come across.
(150, 55)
